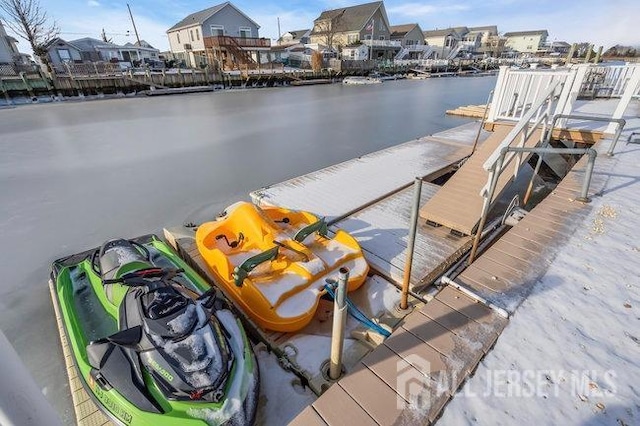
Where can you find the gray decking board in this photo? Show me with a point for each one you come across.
(505, 273)
(382, 231)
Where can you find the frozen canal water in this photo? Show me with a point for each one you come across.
(75, 174)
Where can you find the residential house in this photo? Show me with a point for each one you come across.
(486, 32)
(8, 50)
(295, 37)
(446, 41)
(527, 42)
(407, 34)
(61, 51)
(222, 35)
(94, 50)
(352, 26)
(490, 43)
(411, 39)
(447, 38)
(140, 51)
(557, 48)
(358, 52)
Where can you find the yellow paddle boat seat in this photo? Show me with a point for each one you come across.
(275, 262)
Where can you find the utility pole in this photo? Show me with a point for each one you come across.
(279, 35)
(134, 24)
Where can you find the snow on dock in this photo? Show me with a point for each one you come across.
(336, 191)
(569, 354)
(382, 231)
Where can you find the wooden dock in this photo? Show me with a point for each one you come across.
(458, 205)
(440, 344)
(470, 111)
(86, 411)
(382, 231)
(435, 349)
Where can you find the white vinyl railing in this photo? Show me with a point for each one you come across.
(610, 81)
(517, 90)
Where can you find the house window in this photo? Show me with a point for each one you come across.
(367, 37)
(197, 33)
(178, 35)
(381, 37)
(353, 38)
(191, 34)
(65, 55)
(245, 32)
(217, 30)
(352, 54)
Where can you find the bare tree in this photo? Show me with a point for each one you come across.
(327, 29)
(29, 21)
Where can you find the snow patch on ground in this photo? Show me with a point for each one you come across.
(570, 352)
(281, 398)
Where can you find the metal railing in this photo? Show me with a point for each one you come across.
(620, 121)
(497, 162)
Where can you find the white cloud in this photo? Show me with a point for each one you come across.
(93, 3)
(422, 10)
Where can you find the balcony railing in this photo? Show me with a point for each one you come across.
(222, 41)
(382, 43)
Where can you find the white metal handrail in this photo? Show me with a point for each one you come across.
(501, 158)
(524, 128)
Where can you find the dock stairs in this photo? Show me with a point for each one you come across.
(457, 205)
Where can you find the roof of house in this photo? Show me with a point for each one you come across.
(353, 18)
(88, 43)
(401, 30)
(461, 30)
(487, 28)
(439, 33)
(526, 33)
(197, 18)
(298, 33)
(142, 45)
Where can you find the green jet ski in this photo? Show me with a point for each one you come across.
(152, 342)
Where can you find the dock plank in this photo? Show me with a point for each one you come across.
(458, 204)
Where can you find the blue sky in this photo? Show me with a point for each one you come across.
(603, 22)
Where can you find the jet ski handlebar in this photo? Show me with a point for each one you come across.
(141, 277)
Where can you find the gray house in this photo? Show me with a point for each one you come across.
(221, 34)
(8, 49)
(61, 51)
